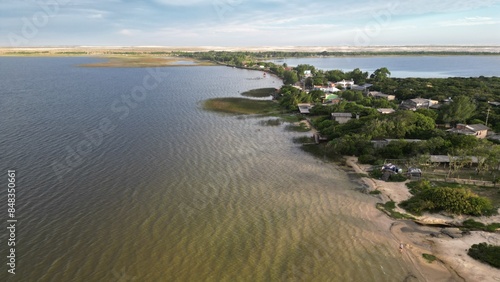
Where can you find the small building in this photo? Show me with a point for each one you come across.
(307, 73)
(304, 108)
(495, 138)
(417, 103)
(341, 117)
(478, 130)
(445, 160)
(331, 89)
(386, 111)
(346, 84)
(364, 88)
(380, 95)
(414, 173)
(493, 103)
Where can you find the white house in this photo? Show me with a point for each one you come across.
(341, 117)
(345, 84)
(385, 111)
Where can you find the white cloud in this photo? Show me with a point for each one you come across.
(128, 32)
(186, 2)
(96, 16)
(470, 21)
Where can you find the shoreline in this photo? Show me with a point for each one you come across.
(452, 261)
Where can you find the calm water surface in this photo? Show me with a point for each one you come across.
(171, 192)
(409, 66)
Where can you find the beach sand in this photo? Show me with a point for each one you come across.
(452, 263)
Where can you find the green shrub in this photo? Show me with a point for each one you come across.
(397, 178)
(455, 201)
(486, 253)
(474, 225)
(417, 186)
(430, 258)
(389, 207)
(376, 173)
(367, 159)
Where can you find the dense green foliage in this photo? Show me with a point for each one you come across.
(451, 200)
(486, 253)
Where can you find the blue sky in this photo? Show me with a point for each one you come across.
(249, 23)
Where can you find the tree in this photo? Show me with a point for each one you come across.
(301, 68)
(316, 95)
(380, 74)
(428, 112)
(335, 75)
(461, 109)
(290, 77)
(358, 76)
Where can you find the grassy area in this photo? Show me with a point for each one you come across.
(430, 258)
(471, 224)
(297, 127)
(317, 150)
(303, 140)
(144, 61)
(241, 106)
(259, 93)
(270, 122)
(389, 207)
(291, 117)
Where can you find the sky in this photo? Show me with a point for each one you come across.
(248, 22)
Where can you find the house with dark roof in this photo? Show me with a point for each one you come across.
(478, 130)
(364, 88)
(304, 107)
(417, 103)
(380, 95)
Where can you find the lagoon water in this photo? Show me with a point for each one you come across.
(170, 192)
(409, 66)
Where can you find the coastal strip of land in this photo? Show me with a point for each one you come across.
(452, 262)
(146, 61)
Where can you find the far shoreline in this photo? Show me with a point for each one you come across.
(275, 51)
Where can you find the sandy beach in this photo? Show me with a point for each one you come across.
(452, 263)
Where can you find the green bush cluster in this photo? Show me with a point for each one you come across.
(474, 225)
(430, 258)
(452, 200)
(486, 253)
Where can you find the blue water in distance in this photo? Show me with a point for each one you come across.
(409, 66)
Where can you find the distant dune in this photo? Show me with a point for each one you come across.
(103, 50)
